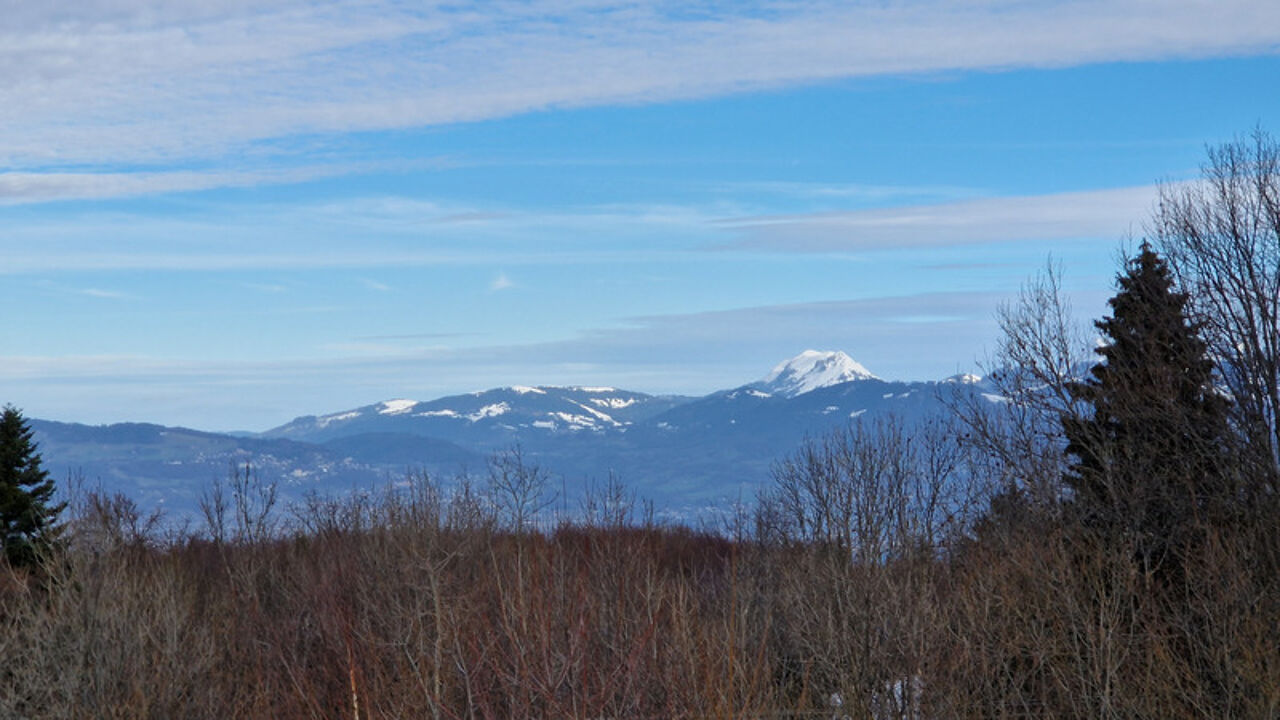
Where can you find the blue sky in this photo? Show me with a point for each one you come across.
(228, 215)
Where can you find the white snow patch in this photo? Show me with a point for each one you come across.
(613, 403)
(857, 412)
(811, 370)
(396, 407)
(830, 409)
(963, 379)
(489, 411)
(992, 397)
(523, 390)
(886, 396)
(544, 424)
(324, 421)
(597, 413)
(439, 413)
(575, 422)
(757, 393)
(594, 389)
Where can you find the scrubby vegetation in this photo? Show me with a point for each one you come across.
(420, 604)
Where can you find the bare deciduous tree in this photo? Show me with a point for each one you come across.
(518, 488)
(1017, 429)
(251, 507)
(1221, 235)
(610, 504)
(877, 490)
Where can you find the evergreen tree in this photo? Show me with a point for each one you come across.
(28, 515)
(1151, 459)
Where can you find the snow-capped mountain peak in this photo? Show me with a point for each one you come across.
(813, 369)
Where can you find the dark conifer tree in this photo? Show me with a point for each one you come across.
(1151, 460)
(28, 515)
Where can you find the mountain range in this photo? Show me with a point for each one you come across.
(680, 452)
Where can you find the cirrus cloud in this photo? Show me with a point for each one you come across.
(104, 84)
(1086, 214)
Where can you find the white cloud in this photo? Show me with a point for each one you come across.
(28, 187)
(273, 288)
(372, 233)
(103, 294)
(375, 285)
(149, 81)
(17, 188)
(500, 283)
(1089, 214)
(362, 233)
(860, 194)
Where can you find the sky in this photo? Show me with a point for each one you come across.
(227, 214)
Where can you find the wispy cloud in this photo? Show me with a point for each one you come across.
(1090, 214)
(389, 231)
(500, 283)
(89, 292)
(273, 288)
(41, 262)
(419, 336)
(142, 81)
(103, 294)
(17, 188)
(852, 193)
(375, 285)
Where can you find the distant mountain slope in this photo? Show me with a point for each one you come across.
(681, 452)
(487, 419)
(172, 467)
(405, 451)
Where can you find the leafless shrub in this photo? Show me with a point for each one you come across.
(874, 491)
(861, 516)
(104, 521)
(609, 504)
(1016, 430)
(519, 489)
(249, 514)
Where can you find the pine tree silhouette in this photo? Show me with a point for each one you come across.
(1152, 461)
(28, 515)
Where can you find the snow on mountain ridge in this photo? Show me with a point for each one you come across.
(813, 369)
(395, 407)
(325, 420)
(488, 411)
